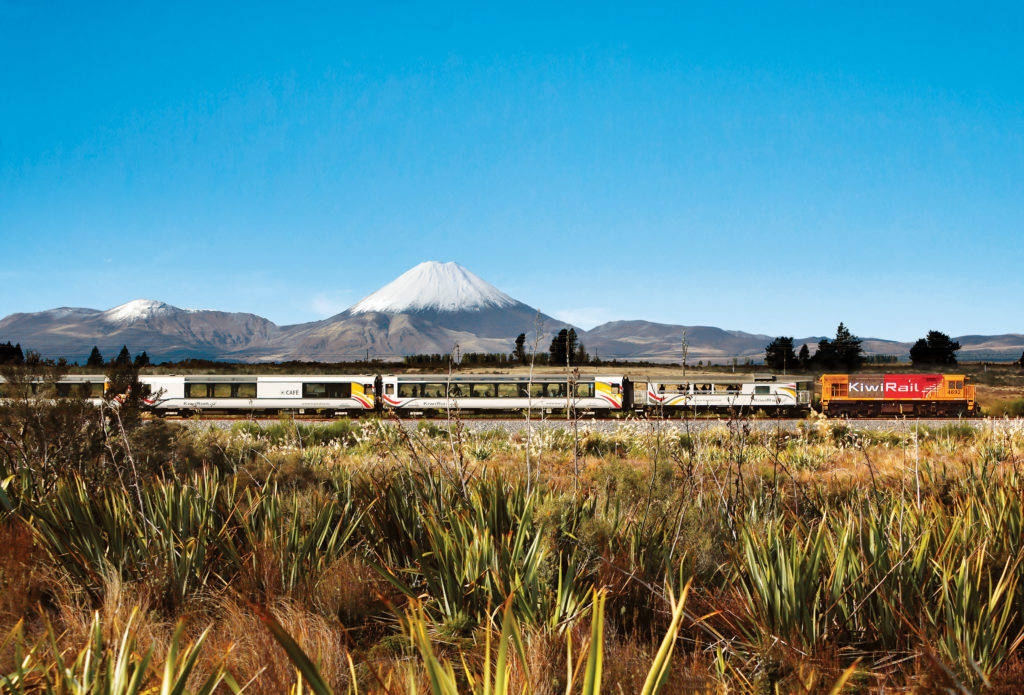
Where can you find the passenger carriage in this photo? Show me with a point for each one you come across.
(768, 393)
(421, 393)
(315, 394)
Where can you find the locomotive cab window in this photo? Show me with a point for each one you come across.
(762, 390)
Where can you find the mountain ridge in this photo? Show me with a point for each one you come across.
(433, 307)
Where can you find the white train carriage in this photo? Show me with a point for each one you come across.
(300, 394)
(420, 393)
(91, 387)
(770, 394)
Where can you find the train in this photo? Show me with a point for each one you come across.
(878, 395)
(425, 395)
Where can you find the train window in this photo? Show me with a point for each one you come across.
(339, 390)
(389, 389)
(96, 389)
(617, 389)
(75, 390)
(408, 390)
(222, 390)
(245, 390)
(556, 390)
(762, 390)
(329, 390)
(455, 391)
(482, 390)
(508, 390)
(432, 390)
(196, 391)
(584, 390)
(682, 388)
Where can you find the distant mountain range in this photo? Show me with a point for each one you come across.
(429, 309)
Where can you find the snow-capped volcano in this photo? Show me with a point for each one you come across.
(430, 308)
(434, 286)
(163, 330)
(138, 310)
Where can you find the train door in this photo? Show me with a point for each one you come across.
(610, 390)
(389, 391)
(627, 393)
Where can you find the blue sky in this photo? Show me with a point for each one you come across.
(749, 167)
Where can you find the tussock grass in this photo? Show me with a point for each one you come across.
(396, 561)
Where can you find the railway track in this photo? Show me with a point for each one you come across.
(610, 425)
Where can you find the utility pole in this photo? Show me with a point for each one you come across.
(685, 346)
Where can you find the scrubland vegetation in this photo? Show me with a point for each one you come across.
(364, 557)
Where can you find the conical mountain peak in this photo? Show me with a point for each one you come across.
(434, 286)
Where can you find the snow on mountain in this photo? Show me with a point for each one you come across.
(138, 310)
(64, 312)
(434, 286)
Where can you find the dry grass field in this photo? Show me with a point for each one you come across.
(360, 557)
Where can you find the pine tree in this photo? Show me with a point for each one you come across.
(779, 355)
(581, 356)
(825, 356)
(519, 351)
(95, 358)
(804, 356)
(848, 351)
(935, 348)
(11, 354)
(557, 349)
(141, 360)
(124, 358)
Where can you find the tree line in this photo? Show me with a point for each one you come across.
(123, 359)
(845, 352)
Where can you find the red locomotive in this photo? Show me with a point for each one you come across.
(873, 395)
